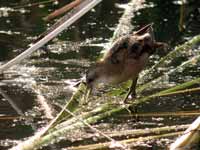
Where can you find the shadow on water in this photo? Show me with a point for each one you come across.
(68, 56)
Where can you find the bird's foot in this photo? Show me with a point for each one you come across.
(129, 99)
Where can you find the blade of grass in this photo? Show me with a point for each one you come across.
(98, 131)
(190, 137)
(72, 105)
(128, 141)
(141, 132)
(186, 91)
(166, 61)
(162, 114)
(181, 67)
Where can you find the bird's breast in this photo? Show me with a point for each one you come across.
(126, 70)
(131, 69)
(136, 65)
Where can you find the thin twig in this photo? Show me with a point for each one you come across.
(9, 117)
(34, 4)
(62, 10)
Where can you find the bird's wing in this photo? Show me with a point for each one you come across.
(119, 48)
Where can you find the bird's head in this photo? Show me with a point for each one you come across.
(146, 39)
(94, 75)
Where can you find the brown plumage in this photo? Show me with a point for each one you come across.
(125, 60)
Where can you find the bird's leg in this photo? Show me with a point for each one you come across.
(131, 90)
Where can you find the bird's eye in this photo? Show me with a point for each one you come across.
(90, 80)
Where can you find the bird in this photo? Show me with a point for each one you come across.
(124, 61)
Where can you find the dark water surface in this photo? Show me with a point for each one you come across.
(53, 69)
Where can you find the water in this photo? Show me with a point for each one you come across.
(52, 70)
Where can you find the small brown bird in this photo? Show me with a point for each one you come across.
(125, 60)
